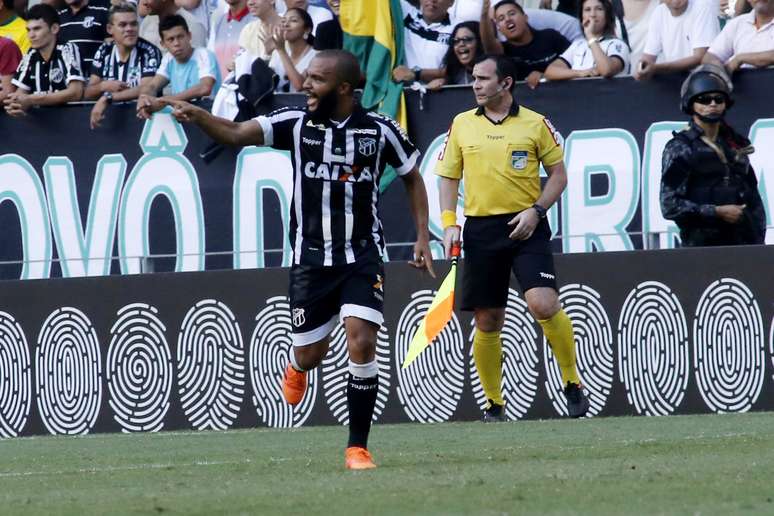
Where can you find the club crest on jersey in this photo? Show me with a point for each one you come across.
(366, 146)
(88, 22)
(299, 317)
(519, 159)
(57, 75)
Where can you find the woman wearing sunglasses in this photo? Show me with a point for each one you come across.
(707, 185)
(464, 47)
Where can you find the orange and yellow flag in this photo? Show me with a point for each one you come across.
(438, 315)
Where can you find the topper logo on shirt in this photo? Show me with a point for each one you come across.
(366, 146)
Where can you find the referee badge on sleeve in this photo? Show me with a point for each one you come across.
(519, 159)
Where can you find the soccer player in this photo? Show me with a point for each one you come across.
(338, 151)
(499, 146)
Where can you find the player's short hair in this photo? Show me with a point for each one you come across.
(170, 22)
(347, 66)
(123, 7)
(504, 67)
(508, 2)
(8, 4)
(43, 12)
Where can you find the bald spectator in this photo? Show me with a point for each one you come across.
(10, 57)
(746, 41)
(49, 74)
(12, 26)
(84, 25)
(157, 9)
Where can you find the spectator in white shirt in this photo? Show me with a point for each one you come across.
(747, 41)
(680, 33)
(293, 50)
(255, 37)
(600, 54)
(427, 35)
(157, 9)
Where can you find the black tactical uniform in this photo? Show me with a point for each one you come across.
(698, 175)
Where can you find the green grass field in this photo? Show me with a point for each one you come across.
(670, 465)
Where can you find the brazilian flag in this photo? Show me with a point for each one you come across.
(373, 31)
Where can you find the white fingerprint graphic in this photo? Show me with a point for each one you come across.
(431, 387)
(653, 349)
(15, 377)
(139, 369)
(210, 364)
(771, 344)
(729, 346)
(593, 349)
(335, 374)
(270, 345)
(520, 359)
(69, 372)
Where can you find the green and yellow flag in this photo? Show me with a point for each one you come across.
(373, 31)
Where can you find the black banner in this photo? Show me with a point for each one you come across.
(657, 332)
(72, 198)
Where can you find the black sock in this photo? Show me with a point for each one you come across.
(361, 398)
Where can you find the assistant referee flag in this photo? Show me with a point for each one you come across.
(373, 31)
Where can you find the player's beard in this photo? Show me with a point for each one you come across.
(326, 107)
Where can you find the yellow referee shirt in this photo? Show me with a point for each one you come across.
(499, 162)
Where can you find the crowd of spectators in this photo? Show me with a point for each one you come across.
(61, 51)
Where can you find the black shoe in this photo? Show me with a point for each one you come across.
(493, 413)
(577, 401)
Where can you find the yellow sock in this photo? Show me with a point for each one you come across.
(488, 355)
(558, 332)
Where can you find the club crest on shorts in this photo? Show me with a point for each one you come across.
(519, 159)
(366, 146)
(299, 317)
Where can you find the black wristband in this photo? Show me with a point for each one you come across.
(541, 212)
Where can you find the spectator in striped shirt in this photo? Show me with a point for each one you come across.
(85, 26)
(49, 74)
(123, 66)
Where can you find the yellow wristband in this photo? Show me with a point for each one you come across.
(448, 218)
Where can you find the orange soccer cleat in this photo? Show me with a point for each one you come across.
(358, 458)
(293, 385)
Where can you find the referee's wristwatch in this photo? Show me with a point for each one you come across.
(108, 97)
(541, 212)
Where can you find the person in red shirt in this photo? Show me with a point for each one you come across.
(10, 57)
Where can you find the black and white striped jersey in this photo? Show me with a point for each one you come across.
(143, 61)
(87, 29)
(36, 75)
(336, 169)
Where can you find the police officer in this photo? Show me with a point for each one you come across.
(497, 150)
(707, 185)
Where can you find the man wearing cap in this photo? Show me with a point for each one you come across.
(707, 185)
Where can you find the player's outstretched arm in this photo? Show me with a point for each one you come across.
(223, 131)
(415, 187)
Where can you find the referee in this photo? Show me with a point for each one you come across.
(499, 146)
(338, 151)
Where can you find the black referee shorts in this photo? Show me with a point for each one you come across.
(320, 296)
(490, 256)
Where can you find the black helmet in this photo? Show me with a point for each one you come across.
(705, 79)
